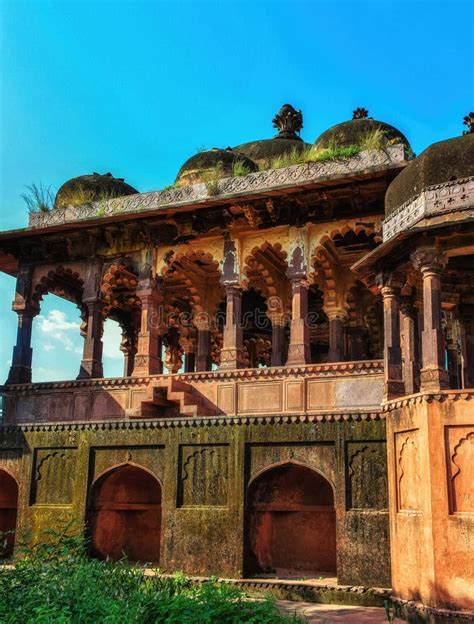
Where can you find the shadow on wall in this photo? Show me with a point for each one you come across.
(291, 523)
(124, 516)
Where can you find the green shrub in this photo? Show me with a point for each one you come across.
(54, 582)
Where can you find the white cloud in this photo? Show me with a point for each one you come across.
(57, 327)
(111, 340)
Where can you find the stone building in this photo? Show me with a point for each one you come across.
(298, 336)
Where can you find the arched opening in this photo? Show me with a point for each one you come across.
(125, 515)
(112, 354)
(8, 512)
(291, 523)
(56, 340)
(257, 329)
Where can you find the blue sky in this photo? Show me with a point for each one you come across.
(136, 88)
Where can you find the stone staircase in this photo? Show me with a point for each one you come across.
(171, 397)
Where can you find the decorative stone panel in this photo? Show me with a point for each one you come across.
(203, 475)
(366, 478)
(53, 477)
(407, 470)
(460, 461)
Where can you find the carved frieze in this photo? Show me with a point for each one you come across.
(434, 200)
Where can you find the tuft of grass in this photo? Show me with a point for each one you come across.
(38, 198)
(239, 169)
(312, 154)
(374, 140)
(81, 196)
(175, 184)
(54, 582)
(211, 179)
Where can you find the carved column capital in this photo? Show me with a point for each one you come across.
(333, 314)
(428, 259)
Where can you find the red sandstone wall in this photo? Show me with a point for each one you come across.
(431, 484)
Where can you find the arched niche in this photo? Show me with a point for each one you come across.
(8, 513)
(125, 515)
(291, 523)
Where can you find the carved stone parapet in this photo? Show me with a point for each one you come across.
(249, 184)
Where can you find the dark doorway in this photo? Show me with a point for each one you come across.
(291, 523)
(125, 515)
(8, 512)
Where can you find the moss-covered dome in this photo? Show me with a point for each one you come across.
(224, 162)
(358, 131)
(92, 187)
(264, 151)
(447, 160)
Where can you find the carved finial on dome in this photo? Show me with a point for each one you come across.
(469, 122)
(360, 113)
(289, 122)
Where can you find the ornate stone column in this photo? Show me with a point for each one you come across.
(394, 385)
(299, 350)
(148, 357)
(20, 370)
(434, 375)
(232, 355)
(336, 317)
(203, 355)
(408, 318)
(278, 321)
(91, 364)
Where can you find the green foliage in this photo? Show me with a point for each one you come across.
(391, 611)
(38, 198)
(211, 179)
(175, 184)
(54, 582)
(312, 154)
(80, 196)
(239, 169)
(374, 140)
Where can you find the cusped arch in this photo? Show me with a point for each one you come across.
(293, 462)
(9, 489)
(124, 513)
(290, 502)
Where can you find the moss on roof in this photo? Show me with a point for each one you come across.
(356, 131)
(439, 163)
(264, 151)
(91, 187)
(198, 166)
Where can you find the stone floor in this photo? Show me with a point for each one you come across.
(329, 614)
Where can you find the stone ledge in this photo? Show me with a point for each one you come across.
(201, 421)
(417, 613)
(429, 397)
(336, 369)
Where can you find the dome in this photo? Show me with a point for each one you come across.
(356, 130)
(195, 168)
(289, 122)
(264, 151)
(439, 163)
(89, 188)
